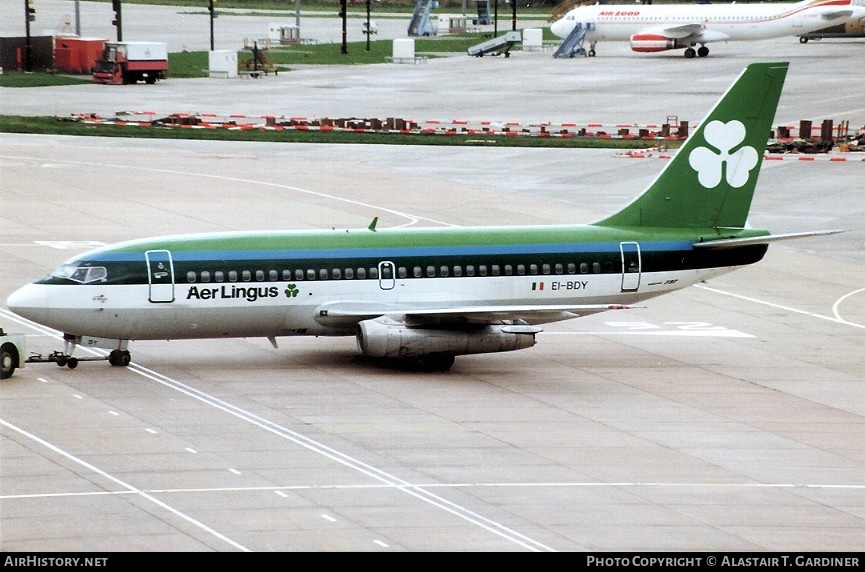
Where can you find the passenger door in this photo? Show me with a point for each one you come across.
(160, 275)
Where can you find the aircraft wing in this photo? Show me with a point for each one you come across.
(835, 14)
(678, 32)
(346, 313)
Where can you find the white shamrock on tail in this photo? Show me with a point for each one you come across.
(708, 163)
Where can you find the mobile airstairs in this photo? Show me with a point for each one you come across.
(573, 44)
(497, 46)
(420, 24)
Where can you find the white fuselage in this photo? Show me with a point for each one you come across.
(708, 22)
(259, 309)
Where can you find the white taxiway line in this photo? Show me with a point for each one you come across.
(129, 488)
(837, 319)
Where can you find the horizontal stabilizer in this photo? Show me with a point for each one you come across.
(734, 242)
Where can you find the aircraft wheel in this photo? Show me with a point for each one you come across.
(703, 51)
(61, 361)
(72, 363)
(119, 358)
(437, 362)
(803, 40)
(592, 53)
(690, 53)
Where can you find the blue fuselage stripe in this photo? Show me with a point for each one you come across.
(400, 252)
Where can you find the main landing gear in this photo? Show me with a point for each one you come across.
(437, 362)
(703, 51)
(119, 358)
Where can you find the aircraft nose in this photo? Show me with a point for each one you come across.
(557, 28)
(29, 302)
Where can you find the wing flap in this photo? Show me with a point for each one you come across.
(836, 14)
(347, 313)
(678, 32)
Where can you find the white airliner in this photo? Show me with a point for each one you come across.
(661, 27)
(429, 294)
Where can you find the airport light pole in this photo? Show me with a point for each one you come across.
(368, 30)
(212, 10)
(118, 19)
(29, 16)
(496, 18)
(343, 49)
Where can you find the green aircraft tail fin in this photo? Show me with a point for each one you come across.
(710, 181)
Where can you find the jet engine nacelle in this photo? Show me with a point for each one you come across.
(386, 338)
(647, 43)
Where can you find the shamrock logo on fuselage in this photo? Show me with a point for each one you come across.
(710, 164)
(291, 291)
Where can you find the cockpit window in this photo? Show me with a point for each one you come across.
(81, 274)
